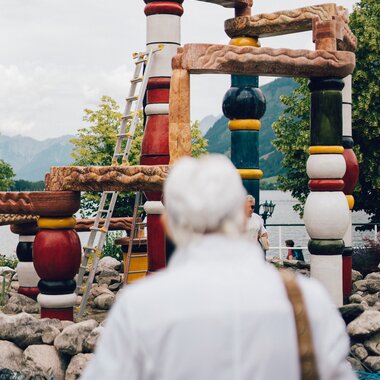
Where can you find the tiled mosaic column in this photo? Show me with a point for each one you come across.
(57, 255)
(163, 27)
(326, 212)
(350, 179)
(27, 275)
(244, 105)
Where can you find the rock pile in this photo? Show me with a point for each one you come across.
(40, 348)
(362, 316)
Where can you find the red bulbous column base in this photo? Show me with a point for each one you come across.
(29, 292)
(65, 314)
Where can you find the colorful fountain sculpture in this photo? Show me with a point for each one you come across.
(331, 167)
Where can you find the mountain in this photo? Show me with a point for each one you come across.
(207, 122)
(219, 136)
(31, 158)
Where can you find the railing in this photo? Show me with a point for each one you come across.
(279, 249)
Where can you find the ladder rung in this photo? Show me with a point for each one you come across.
(86, 248)
(136, 272)
(103, 211)
(118, 155)
(136, 255)
(132, 98)
(141, 60)
(125, 135)
(101, 229)
(83, 266)
(137, 80)
(127, 117)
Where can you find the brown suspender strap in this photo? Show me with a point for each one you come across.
(305, 343)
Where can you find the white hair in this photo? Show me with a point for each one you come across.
(202, 196)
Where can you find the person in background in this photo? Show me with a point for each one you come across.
(293, 253)
(255, 225)
(217, 311)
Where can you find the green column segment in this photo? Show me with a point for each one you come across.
(245, 101)
(245, 149)
(326, 111)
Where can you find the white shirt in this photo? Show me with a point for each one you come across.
(218, 312)
(255, 227)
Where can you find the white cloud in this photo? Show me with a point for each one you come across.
(59, 57)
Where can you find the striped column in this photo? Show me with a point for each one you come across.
(350, 179)
(326, 213)
(57, 255)
(244, 105)
(27, 275)
(163, 27)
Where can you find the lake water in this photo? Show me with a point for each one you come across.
(283, 214)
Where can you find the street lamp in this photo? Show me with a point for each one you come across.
(268, 208)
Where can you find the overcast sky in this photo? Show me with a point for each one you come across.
(58, 57)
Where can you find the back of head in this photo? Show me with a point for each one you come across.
(203, 196)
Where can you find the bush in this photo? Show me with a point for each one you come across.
(8, 261)
(110, 248)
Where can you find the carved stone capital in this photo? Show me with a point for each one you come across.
(107, 178)
(247, 60)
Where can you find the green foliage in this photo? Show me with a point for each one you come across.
(292, 129)
(8, 261)
(6, 176)
(364, 22)
(95, 144)
(5, 287)
(22, 185)
(110, 248)
(293, 135)
(198, 142)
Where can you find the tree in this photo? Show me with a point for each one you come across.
(6, 176)
(293, 136)
(364, 22)
(94, 145)
(292, 128)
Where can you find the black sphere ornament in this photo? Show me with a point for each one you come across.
(244, 103)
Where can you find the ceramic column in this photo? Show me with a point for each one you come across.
(163, 27)
(244, 105)
(27, 275)
(57, 255)
(326, 213)
(350, 179)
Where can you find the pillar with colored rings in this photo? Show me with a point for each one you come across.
(57, 256)
(326, 213)
(26, 273)
(244, 104)
(163, 28)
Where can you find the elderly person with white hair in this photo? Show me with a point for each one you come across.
(255, 225)
(218, 311)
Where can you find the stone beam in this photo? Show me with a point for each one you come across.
(247, 60)
(294, 21)
(281, 22)
(116, 224)
(6, 219)
(106, 178)
(47, 203)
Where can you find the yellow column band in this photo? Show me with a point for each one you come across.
(244, 125)
(332, 149)
(250, 173)
(56, 223)
(351, 201)
(245, 41)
